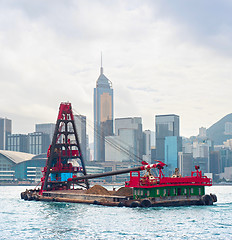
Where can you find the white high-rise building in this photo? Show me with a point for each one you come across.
(127, 144)
(202, 132)
(185, 163)
(147, 146)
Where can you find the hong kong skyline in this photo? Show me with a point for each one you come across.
(163, 57)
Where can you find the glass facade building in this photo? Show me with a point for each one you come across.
(18, 143)
(47, 128)
(103, 115)
(165, 125)
(8, 161)
(80, 122)
(173, 145)
(122, 148)
(38, 142)
(185, 163)
(127, 142)
(147, 146)
(6, 164)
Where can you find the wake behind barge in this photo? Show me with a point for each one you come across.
(63, 181)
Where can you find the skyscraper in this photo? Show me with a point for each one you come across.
(166, 125)
(185, 163)
(18, 143)
(147, 146)
(5, 130)
(38, 142)
(47, 128)
(128, 140)
(173, 145)
(80, 122)
(103, 115)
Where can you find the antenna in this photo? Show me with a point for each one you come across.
(101, 64)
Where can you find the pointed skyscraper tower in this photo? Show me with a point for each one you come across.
(103, 114)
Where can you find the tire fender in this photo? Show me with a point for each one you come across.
(146, 203)
(214, 197)
(207, 200)
(134, 204)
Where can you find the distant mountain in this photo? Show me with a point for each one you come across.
(217, 131)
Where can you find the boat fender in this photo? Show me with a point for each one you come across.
(29, 197)
(120, 204)
(207, 200)
(96, 202)
(25, 197)
(134, 204)
(22, 195)
(36, 198)
(214, 197)
(146, 203)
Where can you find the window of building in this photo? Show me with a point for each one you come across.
(158, 192)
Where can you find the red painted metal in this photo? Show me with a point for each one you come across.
(196, 178)
(62, 150)
(65, 112)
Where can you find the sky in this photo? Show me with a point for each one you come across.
(162, 57)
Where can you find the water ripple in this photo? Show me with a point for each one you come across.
(44, 220)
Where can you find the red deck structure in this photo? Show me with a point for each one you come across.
(150, 181)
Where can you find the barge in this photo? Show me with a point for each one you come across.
(65, 178)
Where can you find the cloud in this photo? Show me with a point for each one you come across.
(206, 23)
(162, 57)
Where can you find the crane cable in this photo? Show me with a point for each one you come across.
(113, 144)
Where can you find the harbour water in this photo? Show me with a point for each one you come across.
(21, 219)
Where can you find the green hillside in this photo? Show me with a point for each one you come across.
(216, 131)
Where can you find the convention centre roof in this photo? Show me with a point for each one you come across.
(17, 157)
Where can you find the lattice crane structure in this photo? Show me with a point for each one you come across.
(64, 156)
